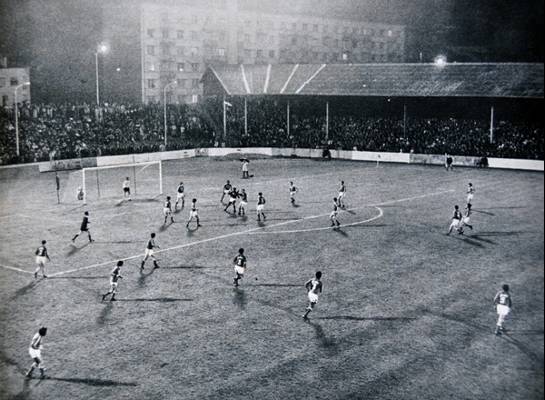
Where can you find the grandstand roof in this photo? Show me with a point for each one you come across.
(499, 80)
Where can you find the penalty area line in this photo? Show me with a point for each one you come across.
(241, 233)
(15, 269)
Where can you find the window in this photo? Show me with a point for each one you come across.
(294, 26)
(151, 33)
(305, 27)
(180, 51)
(165, 33)
(152, 83)
(195, 67)
(194, 51)
(390, 33)
(150, 66)
(194, 35)
(151, 99)
(195, 83)
(221, 52)
(272, 54)
(247, 38)
(294, 40)
(150, 50)
(181, 67)
(13, 81)
(195, 98)
(259, 54)
(326, 28)
(2, 82)
(315, 27)
(195, 19)
(180, 34)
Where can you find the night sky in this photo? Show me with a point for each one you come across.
(57, 38)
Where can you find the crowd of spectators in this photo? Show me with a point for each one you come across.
(62, 131)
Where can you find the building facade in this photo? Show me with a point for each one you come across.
(179, 41)
(11, 80)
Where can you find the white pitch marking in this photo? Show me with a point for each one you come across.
(250, 231)
(378, 216)
(15, 269)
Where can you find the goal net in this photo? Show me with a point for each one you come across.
(146, 181)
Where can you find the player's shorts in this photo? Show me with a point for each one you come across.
(84, 229)
(180, 196)
(226, 191)
(167, 211)
(341, 195)
(292, 194)
(503, 311)
(232, 200)
(470, 198)
(243, 203)
(240, 270)
(244, 168)
(35, 353)
(193, 214)
(149, 253)
(127, 190)
(466, 220)
(333, 215)
(312, 297)
(113, 286)
(455, 223)
(41, 260)
(260, 207)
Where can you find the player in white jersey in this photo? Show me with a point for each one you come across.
(233, 196)
(167, 210)
(180, 196)
(342, 195)
(466, 220)
(470, 194)
(80, 194)
(456, 220)
(127, 189)
(245, 169)
(35, 351)
(261, 207)
(334, 214)
(503, 305)
(293, 192)
(240, 266)
(243, 203)
(314, 288)
(194, 214)
(149, 253)
(41, 258)
(115, 276)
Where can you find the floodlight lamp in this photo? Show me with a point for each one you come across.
(103, 48)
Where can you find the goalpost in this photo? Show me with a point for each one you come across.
(102, 182)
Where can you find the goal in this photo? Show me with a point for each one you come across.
(107, 182)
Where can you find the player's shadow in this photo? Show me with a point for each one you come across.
(80, 277)
(527, 332)
(340, 232)
(191, 231)
(469, 241)
(349, 211)
(27, 288)
(155, 300)
(25, 392)
(75, 249)
(165, 227)
(104, 313)
(482, 239)
(484, 212)
(506, 233)
(144, 276)
(239, 298)
(188, 267)
(295, 205)
(92, 382)
(325, 341)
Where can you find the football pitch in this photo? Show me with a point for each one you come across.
(406, 312)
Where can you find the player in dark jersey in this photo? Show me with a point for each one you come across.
(466, 219)
(243, 203)
(314, 288)
(167, 210)
(456, 220)
(41, 258)
(503, 304)
(149, 253)
(233, 196)
(240, 266)
(84, 228)
(261, 207)
(194, 214)
(180, 195)
(226, 190)
(334, 214)
(115, 276)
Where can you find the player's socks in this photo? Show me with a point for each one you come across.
(142, 265)
(155, 265)
(104, 296)
(113, 298)
(29, 373)
(42, 372)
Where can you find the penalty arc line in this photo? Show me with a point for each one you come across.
(250, 231)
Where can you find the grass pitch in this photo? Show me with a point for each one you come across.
(406, 311)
